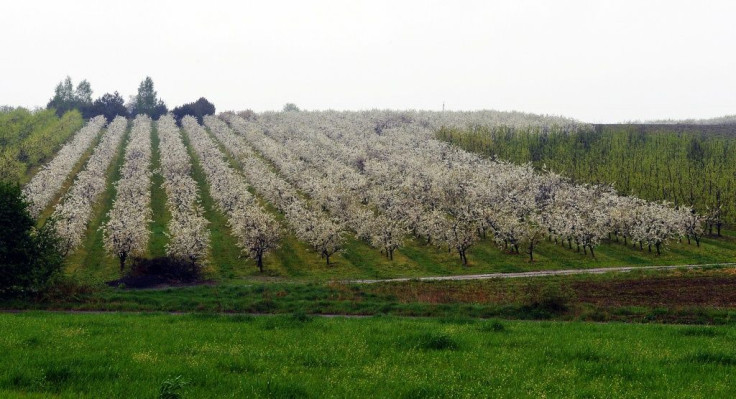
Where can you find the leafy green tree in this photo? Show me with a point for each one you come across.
(29, 257)
(159, 110)
(83, 93)
(110, 105)
(63, 99)
(289, 107)
(197, 109)
(66, 97)
(146, 98)
(146, 101)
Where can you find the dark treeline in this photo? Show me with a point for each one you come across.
(146, 101)
(197, 109)
(692, 165)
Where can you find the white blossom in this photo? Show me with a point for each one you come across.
(256, 231)
(127, 231)
(47, 183)
(188, 234)
(74, 211)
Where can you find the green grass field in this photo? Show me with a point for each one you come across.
(295, 356)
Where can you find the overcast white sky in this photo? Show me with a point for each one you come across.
(598, 61)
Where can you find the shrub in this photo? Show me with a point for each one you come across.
(29, 256)
(290, 107)
(197, 109)
(147, 273)
(546, 300)
(172, 269)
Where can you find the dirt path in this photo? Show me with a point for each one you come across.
(542, 273)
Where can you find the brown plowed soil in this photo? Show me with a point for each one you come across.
(709, 291)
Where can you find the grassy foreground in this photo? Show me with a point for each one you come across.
(131, 355)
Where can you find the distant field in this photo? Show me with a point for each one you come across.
(692, 165)
(29, 139)
(128, 355)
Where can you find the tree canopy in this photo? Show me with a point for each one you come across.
(66, 97)
(197, 109)
(28, 256)
(110, 105)
(146, 101)
(289, 107)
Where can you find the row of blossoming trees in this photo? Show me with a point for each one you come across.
(383, 176)
(380, 176)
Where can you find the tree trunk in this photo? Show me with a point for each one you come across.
(658, 245)
(260, 262)
(123, 257)
(328, 259)
(591, 252)
(718, 229)
(390, 254)
(531, 253)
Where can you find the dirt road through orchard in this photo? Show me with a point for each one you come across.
(541, 273)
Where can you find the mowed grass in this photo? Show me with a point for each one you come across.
(296, 261)
(295, 356)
